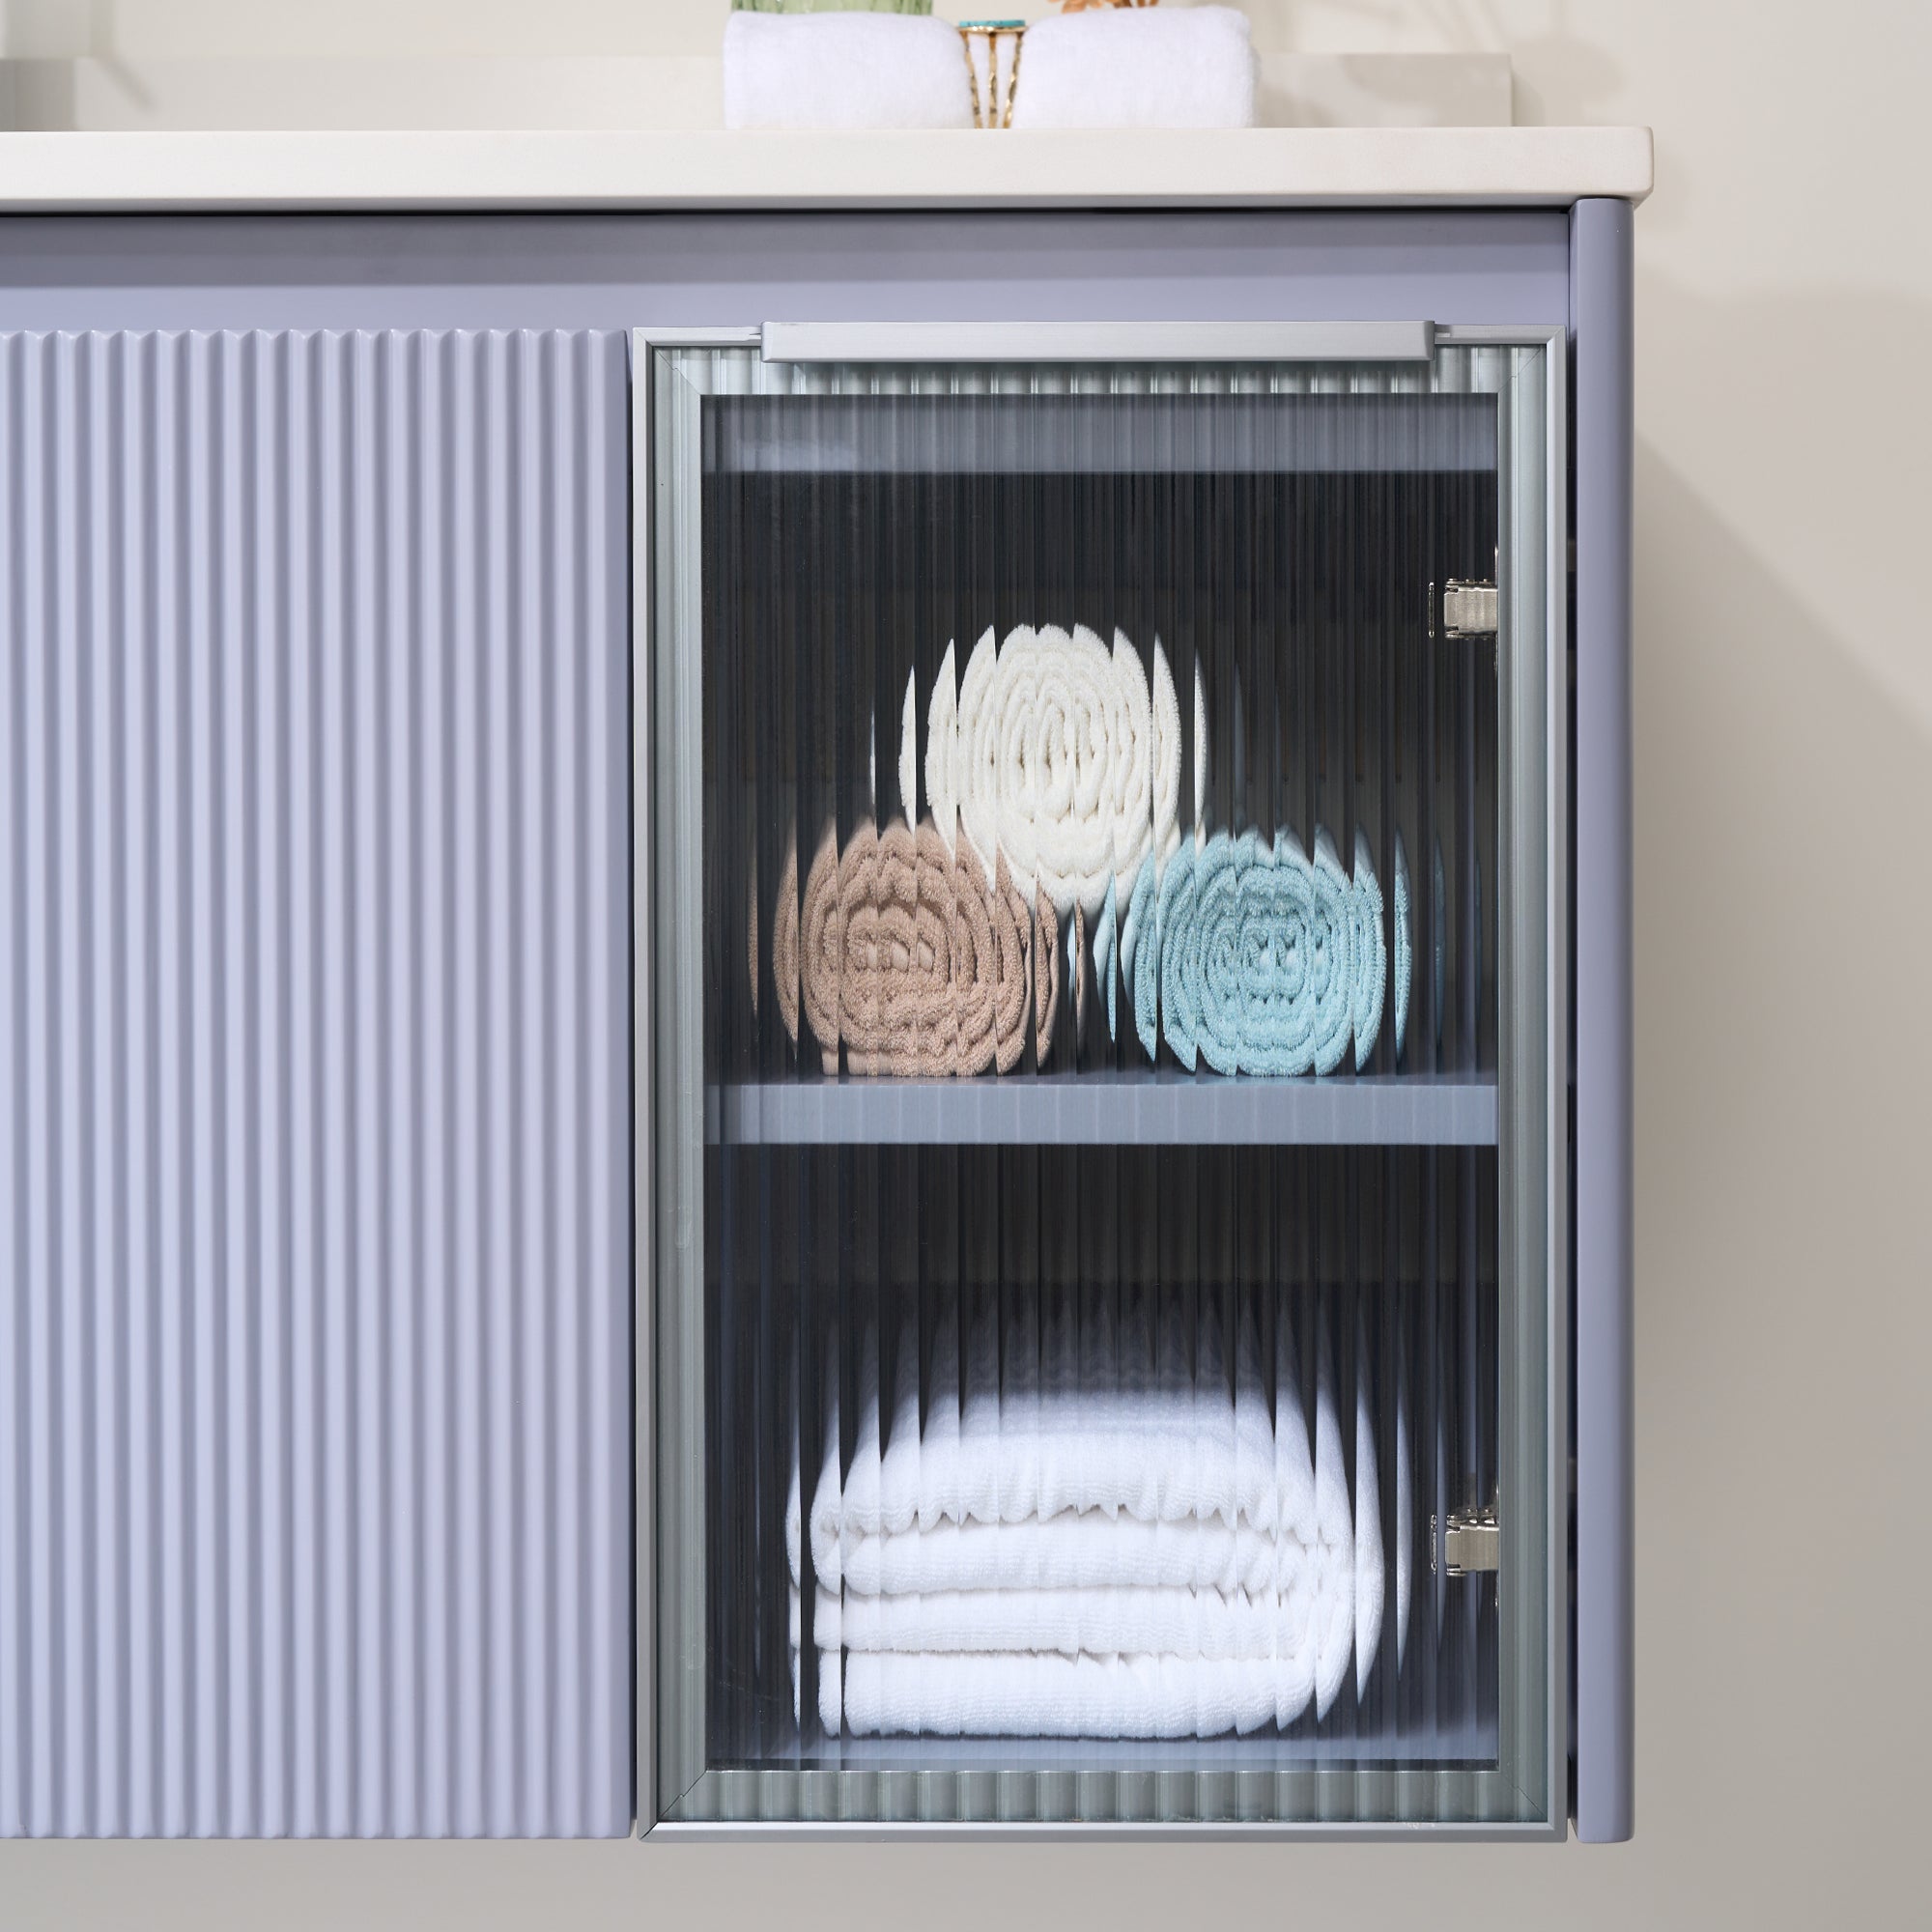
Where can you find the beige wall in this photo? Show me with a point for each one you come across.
(1784, 1028)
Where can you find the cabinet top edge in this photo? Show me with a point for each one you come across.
(632, 170)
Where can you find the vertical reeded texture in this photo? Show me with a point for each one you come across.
(1060, 1421)
(314, 1084)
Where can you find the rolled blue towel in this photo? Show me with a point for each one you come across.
(1214, 949)
(1442, 956)
(1174, 909)
(1260, 960)
(1140, 958)
(1104, 938)
(1443, 942)
(1371, 953)
(1405, 946)
(1332, 956)
(1252, 914)
(1257, 957)
(1220, 953)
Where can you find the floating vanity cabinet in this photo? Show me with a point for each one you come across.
(816, 1022)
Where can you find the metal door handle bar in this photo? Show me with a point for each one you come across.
(1098, 341)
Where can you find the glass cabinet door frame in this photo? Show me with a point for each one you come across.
(1533, 1000)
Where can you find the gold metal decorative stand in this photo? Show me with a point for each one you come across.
(992, 106)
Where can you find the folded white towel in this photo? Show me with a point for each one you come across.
(1368, 1581)
(1123, 1426)
(1138, 68)
(1405, 1512)
(1050, 1696)
(1120, 1622)
(1077, 1495)
(1295, 1646)
(845, 71)
(1091, 1552)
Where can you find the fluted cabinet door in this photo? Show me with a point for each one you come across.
(315, 1104)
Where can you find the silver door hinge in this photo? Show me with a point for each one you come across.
(1470, 609)
(1472, 1541)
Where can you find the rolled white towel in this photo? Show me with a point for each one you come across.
(845, 71)
(1138, 68)
(1060, 755)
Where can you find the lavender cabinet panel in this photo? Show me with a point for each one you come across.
(315, 1084)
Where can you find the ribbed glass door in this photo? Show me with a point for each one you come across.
(1107, 979)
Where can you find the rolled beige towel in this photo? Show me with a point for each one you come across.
(1044, 971)
(897, 1012)
(910, 958)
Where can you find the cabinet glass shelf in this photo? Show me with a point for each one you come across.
(1132, 1107)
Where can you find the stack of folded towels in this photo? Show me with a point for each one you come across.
(1116, 1534)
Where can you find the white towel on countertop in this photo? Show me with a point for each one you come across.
(1138, 68)
(845, 71)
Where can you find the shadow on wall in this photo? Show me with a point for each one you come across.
(1783, 1055)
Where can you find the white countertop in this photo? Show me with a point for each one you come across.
(1270, 167)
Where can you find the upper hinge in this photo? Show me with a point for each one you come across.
(1472, 1541)
(1470, 609)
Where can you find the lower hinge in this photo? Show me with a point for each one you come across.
(1472, 1541)
(1470, 609)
